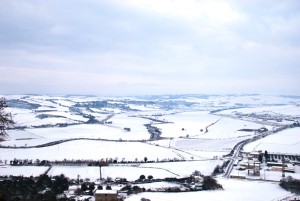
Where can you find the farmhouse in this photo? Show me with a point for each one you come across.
(106, 195)
(253, 167)
(72, 189)
(254, 154)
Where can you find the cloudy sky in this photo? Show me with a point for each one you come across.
(135, 47)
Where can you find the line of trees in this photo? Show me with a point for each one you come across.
(84, 162)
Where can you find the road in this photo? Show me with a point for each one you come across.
(234, 157)
(239, 146)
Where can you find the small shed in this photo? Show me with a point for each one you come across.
(106, 195)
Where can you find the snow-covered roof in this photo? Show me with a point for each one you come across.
(74, 187)
(106, 192)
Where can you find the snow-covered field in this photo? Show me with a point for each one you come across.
(95, 150)
(219, 145)
(25, 171)
(130, 172)
(199, 128)
(293, 110)
(186, 168)
(90, 131)
(204, 125)
(233, 190)
(186, 124)
(287, 141)
(93, 173)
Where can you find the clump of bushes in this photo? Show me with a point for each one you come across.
(209, 183)
(290, 184)
(133, 190)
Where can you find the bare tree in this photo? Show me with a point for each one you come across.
(5, 118)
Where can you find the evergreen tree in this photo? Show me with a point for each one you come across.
(6, 120)
(260, 157)
(266, 155)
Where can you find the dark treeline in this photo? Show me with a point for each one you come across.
(42, 188)
(291, 184)
(104, 162)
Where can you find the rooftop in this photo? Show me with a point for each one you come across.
(106, 192)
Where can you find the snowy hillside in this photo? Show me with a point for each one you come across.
(146, 135)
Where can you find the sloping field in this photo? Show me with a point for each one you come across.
(92, 131)
(93, 173)
(234, 190)
(204, 125)
(94, 150)
(285, 110)
(186, 168)
(25, 171)
(25, 117)
(287, 141)
(229, 128)
(186, 124)
(206, 144)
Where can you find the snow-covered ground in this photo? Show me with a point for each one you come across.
(229, 128)
(129, 171)
(95, 150)
(233, 190)
(287, 141)
(93, 173)
(220, 145)
(90, 131)
(183, 169)
(266, 173)
(293, 110)
(25, 171)
(186, 124)
(158, 185)
(199, 128)
(94, 131)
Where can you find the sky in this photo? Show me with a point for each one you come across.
(147, 47)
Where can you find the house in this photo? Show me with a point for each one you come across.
(253, 167)
(254, 154)
(106, 195)
(72, 189)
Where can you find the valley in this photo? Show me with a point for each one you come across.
(162, 136)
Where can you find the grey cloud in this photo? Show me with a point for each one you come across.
(128, 50)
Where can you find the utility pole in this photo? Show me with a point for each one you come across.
(100, 171)
(283, 161)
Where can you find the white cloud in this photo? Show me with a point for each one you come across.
(149, 46)
(191, 10)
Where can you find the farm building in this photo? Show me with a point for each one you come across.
(106, 195)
